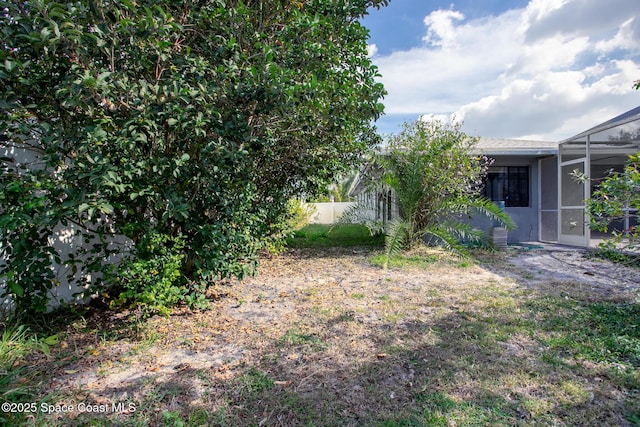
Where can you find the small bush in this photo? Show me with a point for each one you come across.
(436, 180)
(152, 281)
(299, 213)
(610, 251)
(297, 216)
(617, 198)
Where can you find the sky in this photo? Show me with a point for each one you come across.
(541, 69)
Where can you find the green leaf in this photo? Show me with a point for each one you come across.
(189, 115)
(44, 347)
(9, 65)
(51, 340)
(105, 208)
(16, 289)
(395, 239)
(102, 76)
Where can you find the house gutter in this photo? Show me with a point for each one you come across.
(530, 152)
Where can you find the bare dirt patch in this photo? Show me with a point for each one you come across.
(323, 337)
(562, 266)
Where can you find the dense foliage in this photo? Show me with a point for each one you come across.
(172, 121)
(436, 180)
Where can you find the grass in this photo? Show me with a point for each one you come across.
(616, 256)
(16, 380)
(296, 338)
(340, 235)
(604, 332)
(421, 257)
(580, 353)
(445, 344)
(14, 345)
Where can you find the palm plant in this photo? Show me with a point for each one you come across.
(337, 191)
(436, 181)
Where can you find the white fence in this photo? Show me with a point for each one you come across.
(66, 240)
(328, 213)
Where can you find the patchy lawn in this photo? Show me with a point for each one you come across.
(330, 236)
(324, 337)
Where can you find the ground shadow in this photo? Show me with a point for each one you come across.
(531, 358)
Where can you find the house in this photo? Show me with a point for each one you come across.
(535, 181)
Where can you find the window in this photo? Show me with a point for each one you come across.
(383, 207)
(509, 184)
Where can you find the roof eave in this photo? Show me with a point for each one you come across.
(522, 152)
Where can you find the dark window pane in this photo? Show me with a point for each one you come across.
(509, 184)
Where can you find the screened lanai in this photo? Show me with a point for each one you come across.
(594, 152)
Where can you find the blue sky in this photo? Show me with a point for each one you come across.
(539, 69)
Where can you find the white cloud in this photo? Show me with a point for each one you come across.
(549, 18)
(627, 37)
(530, 72)
(372, 50)
(549, 54)
(427, 79)
(553, 105)
(441, 31)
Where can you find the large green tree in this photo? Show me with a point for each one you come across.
(192, 120)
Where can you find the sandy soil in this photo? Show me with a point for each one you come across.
(542, 268)
(315, 315)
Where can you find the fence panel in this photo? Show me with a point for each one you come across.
(328, 213)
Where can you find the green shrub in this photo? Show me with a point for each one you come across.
(609, 249)
(615, 198)
(297, 216)
(436, 180)
(152, 281)
(300, 213)
(200, 118)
